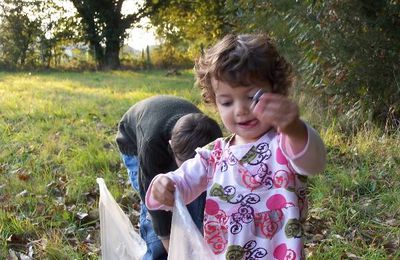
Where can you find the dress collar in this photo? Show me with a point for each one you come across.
(241, 150)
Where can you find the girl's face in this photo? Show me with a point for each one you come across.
(234, 107)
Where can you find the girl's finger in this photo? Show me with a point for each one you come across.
(168, 184)
(169, 199)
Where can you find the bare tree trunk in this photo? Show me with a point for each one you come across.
(112, 55)
(98, 53)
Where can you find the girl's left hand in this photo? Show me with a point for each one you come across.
(283, 114)
(278, 110)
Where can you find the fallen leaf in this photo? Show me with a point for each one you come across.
(338, 236)
(23, 176)
(392, 222)
(391, 246)
(317, 237)
(82, 215)
(3, 168)
(71, 207)
(17, 241)
(23, 256)
(12, 255)
(51, 184)
(23, 193)
(40, 208)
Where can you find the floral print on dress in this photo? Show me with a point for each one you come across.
(253, 202)
(249, 251)
(281, 252)
(215, 228)
(253, 182)
(293, 228)
(257, 154)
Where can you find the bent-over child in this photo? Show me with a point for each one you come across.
(156, 135)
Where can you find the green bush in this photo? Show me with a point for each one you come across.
(346, 52)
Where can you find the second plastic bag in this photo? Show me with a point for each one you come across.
(186, 241)
(119, 240)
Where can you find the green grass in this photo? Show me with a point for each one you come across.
(57, 135)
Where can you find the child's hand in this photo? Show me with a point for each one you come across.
(279, 111)
(163, 190)
(283, 114)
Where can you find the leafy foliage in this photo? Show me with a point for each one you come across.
(352, 56)
(33, 33)
(17, 34)
(347, 52)
(186, 27)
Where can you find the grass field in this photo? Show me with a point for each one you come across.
(57, 135)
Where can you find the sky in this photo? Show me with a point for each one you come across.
(138, 38)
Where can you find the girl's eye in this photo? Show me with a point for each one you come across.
(226, 104)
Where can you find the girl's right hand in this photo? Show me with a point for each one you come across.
(163, 190)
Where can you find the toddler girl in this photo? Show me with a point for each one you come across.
(255, 178)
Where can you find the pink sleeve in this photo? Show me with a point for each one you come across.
(190, 179)
(311, 159)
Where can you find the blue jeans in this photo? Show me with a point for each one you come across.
(155, 249)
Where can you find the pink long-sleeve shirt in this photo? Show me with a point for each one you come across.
(256, 194)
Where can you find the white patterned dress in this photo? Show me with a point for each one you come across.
(256, 200)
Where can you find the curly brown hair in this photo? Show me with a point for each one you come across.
(242, 60)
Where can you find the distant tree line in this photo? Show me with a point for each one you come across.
(346, 52)
(35, 33)
(31, 33)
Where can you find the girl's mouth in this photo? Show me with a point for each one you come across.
(249, 123)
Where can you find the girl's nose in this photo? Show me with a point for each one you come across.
(242, 108)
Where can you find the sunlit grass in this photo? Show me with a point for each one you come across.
(356, 197)
(57, 135)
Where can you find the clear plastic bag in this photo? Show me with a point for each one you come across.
(186, 241)
(119, 240)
